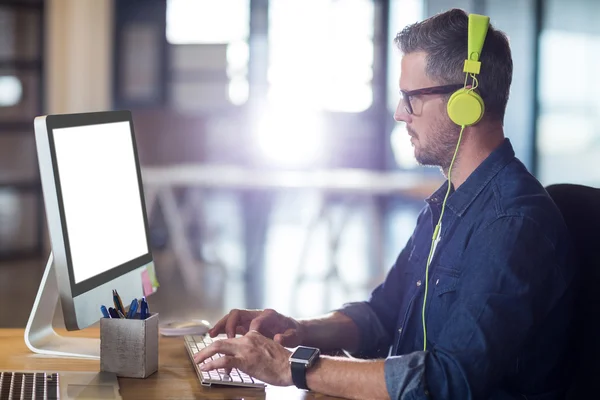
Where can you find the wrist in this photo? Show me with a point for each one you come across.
(302, 360)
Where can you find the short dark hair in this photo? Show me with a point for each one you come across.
(444, 38)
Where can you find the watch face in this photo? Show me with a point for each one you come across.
(303, 353)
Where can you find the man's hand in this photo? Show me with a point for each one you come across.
(284, 330)
(253, 354)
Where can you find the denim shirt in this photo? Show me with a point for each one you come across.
(499, 300)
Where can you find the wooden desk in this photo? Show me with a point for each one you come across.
(175, 378)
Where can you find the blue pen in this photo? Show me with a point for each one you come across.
(143, 308)
(104, 312)
(132, 309)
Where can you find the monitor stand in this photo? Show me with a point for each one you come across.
(40, 335)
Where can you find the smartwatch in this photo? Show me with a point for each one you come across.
(302, 359)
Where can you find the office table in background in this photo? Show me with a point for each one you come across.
(175, 378)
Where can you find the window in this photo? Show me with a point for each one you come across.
(321, 54)
(210, 52)
(568, 135)
(207, 21)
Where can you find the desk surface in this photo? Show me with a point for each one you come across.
(175, 378)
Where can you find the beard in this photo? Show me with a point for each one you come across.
(439, 146)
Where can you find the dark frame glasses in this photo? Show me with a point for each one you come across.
(445, 89)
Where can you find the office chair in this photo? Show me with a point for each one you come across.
(580, 207)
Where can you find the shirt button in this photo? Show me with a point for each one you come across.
(400, 330)
(436, 282)
(418, 283)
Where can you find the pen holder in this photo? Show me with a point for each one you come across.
(129, 347)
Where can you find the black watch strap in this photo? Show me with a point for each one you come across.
(299, 375)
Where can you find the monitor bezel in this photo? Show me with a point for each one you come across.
(73, 120)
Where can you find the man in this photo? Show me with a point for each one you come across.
(500, 284)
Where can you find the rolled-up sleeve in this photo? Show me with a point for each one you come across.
(405, 376)
(374, 340)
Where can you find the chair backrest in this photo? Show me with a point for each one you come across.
(580, 207)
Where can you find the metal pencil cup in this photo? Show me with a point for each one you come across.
(129, 347)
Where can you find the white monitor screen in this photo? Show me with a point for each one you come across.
(101, 198)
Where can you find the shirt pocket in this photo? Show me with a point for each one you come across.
(445, 283)
(445, 280)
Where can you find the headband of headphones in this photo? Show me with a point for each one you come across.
(478, 27)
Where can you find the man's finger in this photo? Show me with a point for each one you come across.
(258, 323)
(220, 346)
(240, 330)
(219, 327)
(232, 323)
(204, 354)
(226, 362)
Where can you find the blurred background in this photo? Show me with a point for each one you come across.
(274, 174)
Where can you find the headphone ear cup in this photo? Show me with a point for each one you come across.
(465, 107)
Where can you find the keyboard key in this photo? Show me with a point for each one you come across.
(39, 386)
(235, 377)
(17, 385)
(5, 387)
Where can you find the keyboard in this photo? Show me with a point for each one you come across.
(29, 385)
(194, 344)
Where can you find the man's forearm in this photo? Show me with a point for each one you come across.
(352, 379)
(330, 332)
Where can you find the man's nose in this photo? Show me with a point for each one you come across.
(401, 114)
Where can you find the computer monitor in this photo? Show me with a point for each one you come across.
(95, 209)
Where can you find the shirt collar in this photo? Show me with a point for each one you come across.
(459, 200)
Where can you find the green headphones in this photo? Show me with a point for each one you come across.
(465, 107)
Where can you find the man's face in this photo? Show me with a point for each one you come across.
(433, 134)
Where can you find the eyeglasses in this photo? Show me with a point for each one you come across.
(445, 89)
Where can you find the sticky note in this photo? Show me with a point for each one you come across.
(152, 275)
(146, 283)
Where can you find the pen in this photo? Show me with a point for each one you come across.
(143, 308)
(113, 313)
(118, 302)
(132, 308)
(104, 312)
(120, 314)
